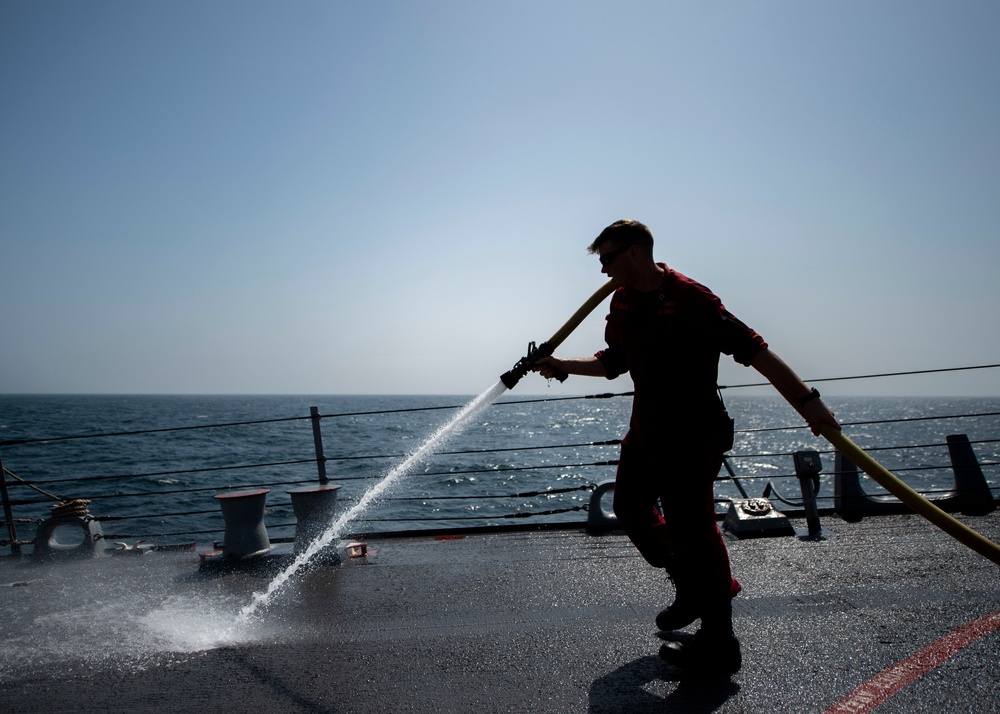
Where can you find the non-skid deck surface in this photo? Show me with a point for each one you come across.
(547, 621)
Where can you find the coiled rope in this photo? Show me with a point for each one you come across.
(66, 508)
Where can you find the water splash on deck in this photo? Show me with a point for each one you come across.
(185, 626)
(123, 614)
(451, 428)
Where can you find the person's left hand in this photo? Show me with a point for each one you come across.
(817, 413)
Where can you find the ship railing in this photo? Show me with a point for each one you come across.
(174, 503)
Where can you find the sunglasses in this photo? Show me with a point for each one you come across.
(609, 257)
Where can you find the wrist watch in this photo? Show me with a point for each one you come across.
(813, 394)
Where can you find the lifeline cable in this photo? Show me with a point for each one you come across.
(31, 485)
(873, 376)
(66, 507)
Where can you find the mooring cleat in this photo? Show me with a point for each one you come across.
(705, 654)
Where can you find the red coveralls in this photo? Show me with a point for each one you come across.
(670, 341)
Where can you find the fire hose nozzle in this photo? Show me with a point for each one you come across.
(524, 365)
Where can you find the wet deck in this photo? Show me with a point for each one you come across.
(555, 621)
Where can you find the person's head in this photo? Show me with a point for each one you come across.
(624, 247)
(622, 233)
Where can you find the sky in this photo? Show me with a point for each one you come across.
(248, 197)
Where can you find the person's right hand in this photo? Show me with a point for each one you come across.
(549, 367)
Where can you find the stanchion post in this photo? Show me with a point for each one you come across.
(8, 513)
(318, 443)
(807, 468)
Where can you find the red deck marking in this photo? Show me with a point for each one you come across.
(890, 680)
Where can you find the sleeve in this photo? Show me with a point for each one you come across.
(613, 357)
(738, 340)
(730, 335)
(613, 361)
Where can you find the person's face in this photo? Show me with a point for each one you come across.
(616, 261)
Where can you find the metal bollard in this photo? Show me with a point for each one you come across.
(243, 513)
(314, 507)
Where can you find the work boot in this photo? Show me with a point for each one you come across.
(684, 610)
(678, 616)
(705, 653)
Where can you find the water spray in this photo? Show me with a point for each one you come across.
(508, 380)
(447, 431)
(511, 377)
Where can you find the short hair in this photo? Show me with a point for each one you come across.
(622, 233)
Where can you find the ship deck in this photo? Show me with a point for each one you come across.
(887, 613)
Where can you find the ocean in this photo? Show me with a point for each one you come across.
(525, 460)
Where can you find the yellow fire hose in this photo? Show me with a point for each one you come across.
(572, 323)
(956, 529)
(866, 463)
(513, 376)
